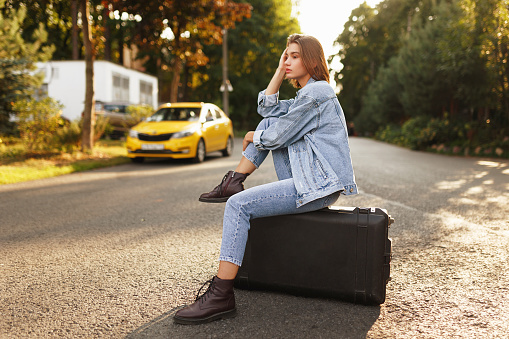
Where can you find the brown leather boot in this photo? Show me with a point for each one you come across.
(231, 184)
(218, 302)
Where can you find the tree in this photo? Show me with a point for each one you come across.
(55, 16)
(87, 138)
(492, 29)
(460, 58)
(426, 91)
(75, 29)
(358, 54)
(255, 46)
(17, 61)
(192, 23)
(381, 104)
(369, 39)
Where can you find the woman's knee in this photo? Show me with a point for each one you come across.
(238, 206)
(234, 203)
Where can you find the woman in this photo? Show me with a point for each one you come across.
(309, 142)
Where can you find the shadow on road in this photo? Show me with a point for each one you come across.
(272, 315)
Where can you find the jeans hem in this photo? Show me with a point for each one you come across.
(231, 260)
(251, 159)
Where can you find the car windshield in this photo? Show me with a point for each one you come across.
(115, 108)
(176, 114)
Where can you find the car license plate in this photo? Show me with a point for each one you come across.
(152, 147)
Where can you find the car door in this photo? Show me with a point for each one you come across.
(117, 116)
(223, 129)
(210, 130)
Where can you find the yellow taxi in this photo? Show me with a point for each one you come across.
(181, 130)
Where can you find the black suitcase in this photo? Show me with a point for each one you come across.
(335, 252)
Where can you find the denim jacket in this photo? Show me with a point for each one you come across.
(313, 128)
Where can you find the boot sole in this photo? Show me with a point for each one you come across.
(218, 316)
(214, 200)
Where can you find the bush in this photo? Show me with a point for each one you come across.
(101, 127)
(41, 127)
(138, 112)
(444, 135)
(68, 138)
(38, 122)
(391, 134)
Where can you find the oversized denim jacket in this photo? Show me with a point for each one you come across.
(313, 128)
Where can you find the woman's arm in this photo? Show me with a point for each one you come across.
(301, 119)
(278, 77)
(269, 104)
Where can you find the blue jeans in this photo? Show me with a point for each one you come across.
(276, 198)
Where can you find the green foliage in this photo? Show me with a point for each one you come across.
(444, 82)
(17, 61)
(42, 129)
(101, 127)
(371, 37)
(359, 54)
(492, 32)
(138, 112)
(10, 147)
(446, 135)
(459, 56)
(194, 24)
(38, 122)
(421, 133)
(381, 104)
(54, 16)
(67, 138)
(425, 92)
(254, 46)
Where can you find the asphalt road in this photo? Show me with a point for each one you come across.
(112, 253)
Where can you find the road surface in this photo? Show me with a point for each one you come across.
(112, 253)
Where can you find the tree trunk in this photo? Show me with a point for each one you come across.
(174, 88)
(184, 92)
(74, 17)
(87, 133)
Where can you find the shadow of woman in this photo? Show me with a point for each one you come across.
(273, 315)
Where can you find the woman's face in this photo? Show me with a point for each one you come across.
(294, 66)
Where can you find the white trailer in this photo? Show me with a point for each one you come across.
(64, 81)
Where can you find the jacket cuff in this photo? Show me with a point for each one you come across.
(256, 138)
(267, 100)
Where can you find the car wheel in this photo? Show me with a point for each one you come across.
(229, 147)
(200, 152)
(138, 160)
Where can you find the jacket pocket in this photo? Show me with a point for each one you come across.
(320, 168)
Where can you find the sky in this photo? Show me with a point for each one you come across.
(325, 20)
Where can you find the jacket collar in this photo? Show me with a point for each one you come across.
(310, 81)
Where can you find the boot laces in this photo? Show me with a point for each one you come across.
(220, 186)
(205, 294)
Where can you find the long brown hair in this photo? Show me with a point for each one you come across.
(312, 55)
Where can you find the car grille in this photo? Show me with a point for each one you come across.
(158, 137)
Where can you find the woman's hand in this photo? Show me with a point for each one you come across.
(248, 138)
(279, 75)
(282, 60)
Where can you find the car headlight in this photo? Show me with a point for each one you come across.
(133, 134)
(184, 133)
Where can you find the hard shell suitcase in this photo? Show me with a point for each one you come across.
(335, 252)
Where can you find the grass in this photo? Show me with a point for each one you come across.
(16, 165)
